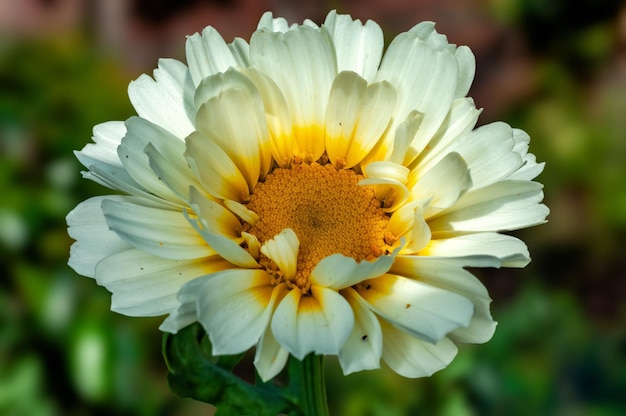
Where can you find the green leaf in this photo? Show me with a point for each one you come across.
(195, 373)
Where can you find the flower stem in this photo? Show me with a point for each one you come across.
(314, 402)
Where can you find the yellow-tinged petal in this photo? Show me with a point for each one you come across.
(318, 323)
(244, 139)
(357, 117)
(235, 307)
(302, 63)
(219, 219)
(217, 172)
(423, 310)
(278, 117)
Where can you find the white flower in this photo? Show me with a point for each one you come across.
(305, 194)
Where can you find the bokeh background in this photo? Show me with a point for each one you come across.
(554, 69)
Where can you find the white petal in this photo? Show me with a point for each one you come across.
(403, 136)
(283, 250)
(178, 178)
(132, 154)
(338, 271)
(270, 357)
(302, 63)
(235, 306)
(145, 285)
(166, 101)
(460, 120)
(530, 169)
(356, 118)
(467, 69)
(503, 206)
(488, 152)
(244, 139)
(510, 251)
(454, 278)
(363, 349)
(94, 239)
(217, 172)
(443, 185)
(106, 136)
(103, 161)
(208, 54)
(358, 47)
(411, 357)
(160, 232)
(319, 323)
(423, 310)
(278, 24)
(181, 317)
(425, 79)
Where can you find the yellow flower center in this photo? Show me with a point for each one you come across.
(326, 208)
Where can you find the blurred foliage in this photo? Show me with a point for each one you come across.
(560, 347)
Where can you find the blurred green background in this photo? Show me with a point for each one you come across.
(555, 70)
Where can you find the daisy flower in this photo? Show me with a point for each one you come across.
(306, 193)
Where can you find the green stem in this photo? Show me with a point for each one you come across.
(313, 394)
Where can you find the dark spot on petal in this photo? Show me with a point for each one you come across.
(408, 305)
(364, 337)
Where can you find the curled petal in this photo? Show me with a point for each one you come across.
(283, 250)
(389, 181)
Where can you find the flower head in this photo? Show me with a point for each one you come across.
(302, 193)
